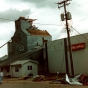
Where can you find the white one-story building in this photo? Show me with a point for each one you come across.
(21, 68)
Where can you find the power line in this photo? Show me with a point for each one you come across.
(33, 23)
(4, 44)
(80, 33)
(6, 19)
(47, 24)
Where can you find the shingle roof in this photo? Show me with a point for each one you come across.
(7, 61)
(21, 62)
(4, 57)
(38, 32)
(23, 18)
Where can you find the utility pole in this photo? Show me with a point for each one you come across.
(66, 57)
(63, 4)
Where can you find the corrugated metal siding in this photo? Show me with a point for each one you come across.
(80, 57)
(25, 24)
(49, 38)
(56, 56)
(32, 41)
(10, 48)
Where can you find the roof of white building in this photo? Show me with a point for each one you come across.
(15, 58)
(4, 57)
(21, 62)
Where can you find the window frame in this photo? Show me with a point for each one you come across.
(29, 67)
(17, 68)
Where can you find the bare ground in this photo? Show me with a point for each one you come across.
(16, 83)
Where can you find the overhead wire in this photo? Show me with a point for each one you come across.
(6, 19)
(40, 24)
(86, 39)
(4, 44)
(77, 37)
(80, 34)
(47, 24)
(33, 23)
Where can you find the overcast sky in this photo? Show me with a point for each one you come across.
(46, 12)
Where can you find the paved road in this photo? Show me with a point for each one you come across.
(15, 83)
(37, 85)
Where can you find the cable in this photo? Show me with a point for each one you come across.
(78, 38)
(33, 23)
(4, 44)
(6, 19)
(47, 24)
(80, 34)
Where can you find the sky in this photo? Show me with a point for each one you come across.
(47, 14)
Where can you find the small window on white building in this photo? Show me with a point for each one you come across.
(30, 67)
(16, 68)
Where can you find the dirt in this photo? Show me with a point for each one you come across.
(16, 83)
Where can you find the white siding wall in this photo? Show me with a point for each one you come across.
(5, 73)
(34, 70)
(23, 70)
(16, 74)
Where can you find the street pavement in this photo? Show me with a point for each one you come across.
(15, 83)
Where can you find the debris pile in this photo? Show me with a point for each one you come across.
(39, 78)
(24, 77)
(81, 79)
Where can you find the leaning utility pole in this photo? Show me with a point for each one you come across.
(63, 4)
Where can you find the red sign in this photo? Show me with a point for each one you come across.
(78, 46)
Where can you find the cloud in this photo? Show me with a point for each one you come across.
(43, 3)
(38, 3)
(13, 14)
(6, 30)
(3, 50)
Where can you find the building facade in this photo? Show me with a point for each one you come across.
(24, 68)
(27, 43)
(57, 56)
